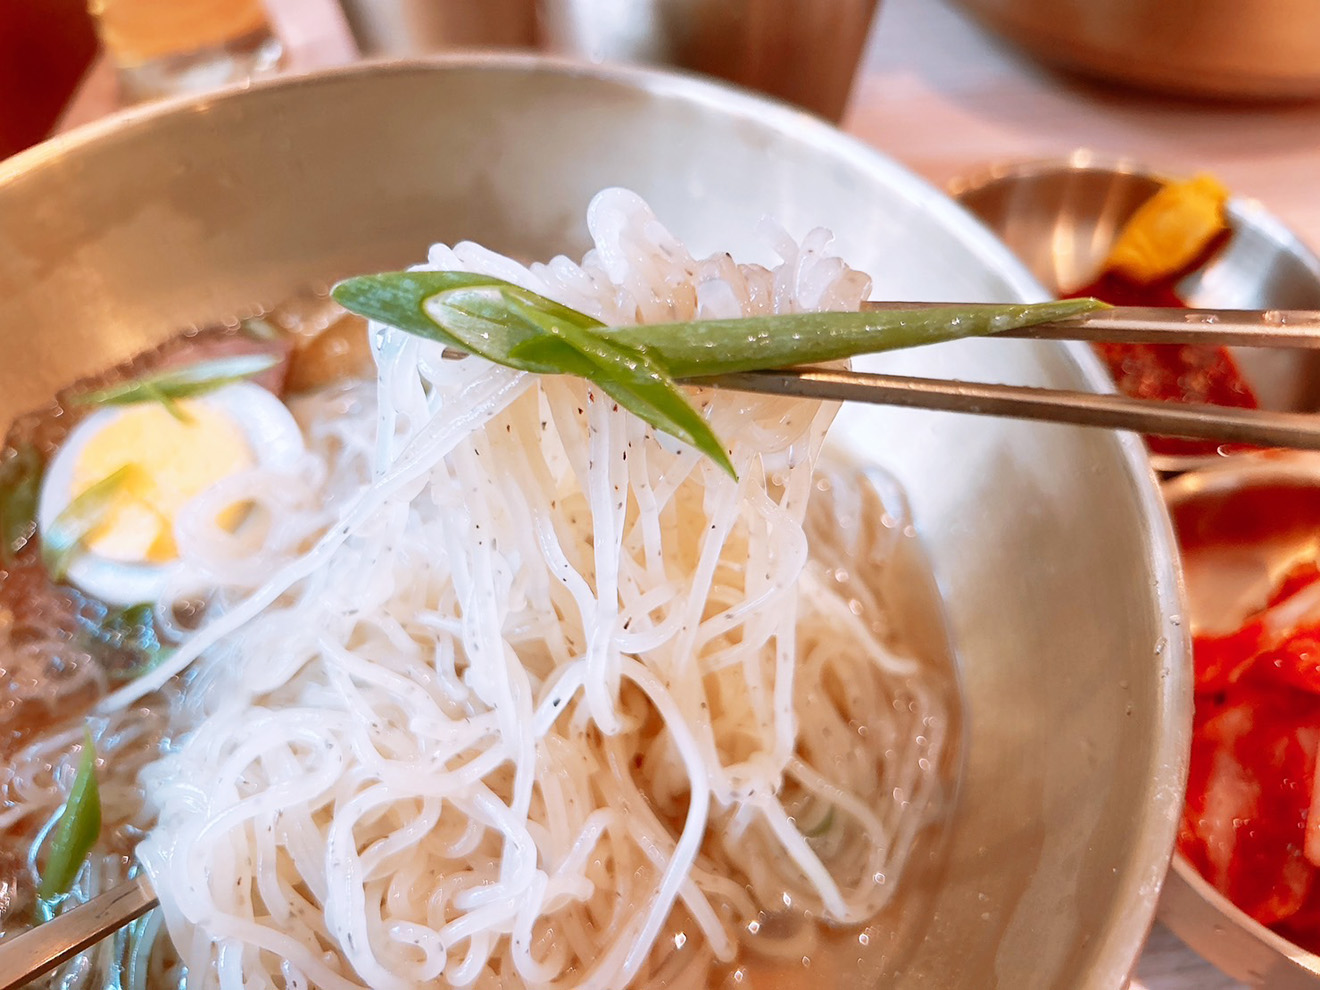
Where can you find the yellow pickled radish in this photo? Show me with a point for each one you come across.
(1169, 230)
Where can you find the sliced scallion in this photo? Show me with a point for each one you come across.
(171, 386)
(77, 830)
(633, 379)
(515, 327)
(20, 484)
(760, 343)
(126, 637)
(63, 539)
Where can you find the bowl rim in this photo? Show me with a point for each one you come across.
(1113, 951)
(1240, 209)
(1221, 954)
(1078, 160)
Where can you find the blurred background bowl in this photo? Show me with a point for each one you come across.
(1061, 217)
(1231, 49)
(1049, 543)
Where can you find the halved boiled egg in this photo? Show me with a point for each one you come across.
(128, 555)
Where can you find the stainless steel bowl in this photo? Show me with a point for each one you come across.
(1267, 49)
(1061, 217)
(1049, 542)
(1199, 914)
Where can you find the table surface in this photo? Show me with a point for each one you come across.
(943, 98)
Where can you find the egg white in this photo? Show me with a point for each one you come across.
(270, 432)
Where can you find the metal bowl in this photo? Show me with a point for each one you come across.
(1061, 218)
(1190, 905)
(1219, 48)
(1049, 543)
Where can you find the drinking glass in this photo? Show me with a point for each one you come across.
(802, 51)
(164, 47)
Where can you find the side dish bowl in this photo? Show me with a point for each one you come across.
(1202, 916)
(1061, 217)
(1049, 543)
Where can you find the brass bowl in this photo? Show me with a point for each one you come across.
(1229, 49)
(1061, 216)
(1049, 543)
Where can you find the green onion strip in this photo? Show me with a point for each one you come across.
(77, 830)
(172, 386)
(638, 366)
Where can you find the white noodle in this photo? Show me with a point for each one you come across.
(548, 691)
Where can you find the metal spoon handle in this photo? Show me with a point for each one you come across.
(39, 950)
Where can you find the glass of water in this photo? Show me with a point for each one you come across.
(165, 47)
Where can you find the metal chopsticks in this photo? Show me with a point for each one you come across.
(1296, 328)
(36, 952)
(1299, 329)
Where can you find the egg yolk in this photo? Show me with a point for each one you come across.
(178, 459)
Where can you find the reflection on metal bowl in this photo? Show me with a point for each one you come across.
(1061, 216)
(1049, 543)
(1268, 49)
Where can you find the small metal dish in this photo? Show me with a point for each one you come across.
(1200, 915)
(1061, 216)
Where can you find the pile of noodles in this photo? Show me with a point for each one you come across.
(499, 688)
